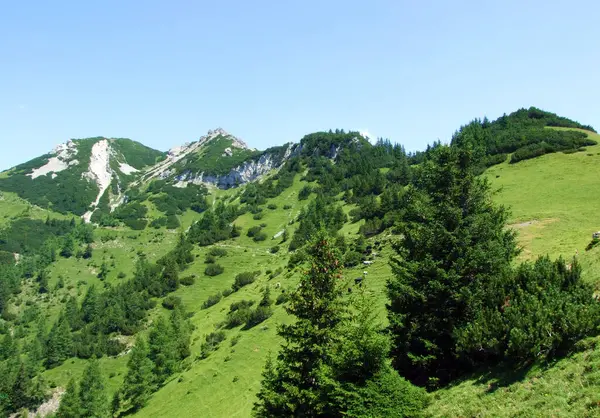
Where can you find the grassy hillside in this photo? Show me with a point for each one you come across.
(554, 204)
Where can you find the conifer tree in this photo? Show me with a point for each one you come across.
(92, 393)
(162, 350)
(170, 275)
(297, 384)
(454, 252)
(90, 305)
(137, 386)
(69, 403)
(182, 331)
(60, 344)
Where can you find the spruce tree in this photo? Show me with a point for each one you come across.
(92, 393)
(90, 305)
(182, 331)
(163, 350)
(137, 386)
(454, 253)
(60, 344)
(297, 385)
(69, 403)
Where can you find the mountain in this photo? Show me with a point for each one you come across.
(74, 176)
(197, 250)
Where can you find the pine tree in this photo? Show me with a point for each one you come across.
(266, 298)
(170, 275)
(137, 386)
(60, 344)
(90, 305)
(72, 314)
(162, 350)
(68, 247)
(298, 384)
(182, 331)
(92, 394)
(454, 252)
(20, 390)
(87, 253)
(69, 403)
(42, 280)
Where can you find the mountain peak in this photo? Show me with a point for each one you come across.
(220, 132)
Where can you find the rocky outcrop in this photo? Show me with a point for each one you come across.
(248, 171)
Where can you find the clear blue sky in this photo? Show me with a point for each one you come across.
(164, 72)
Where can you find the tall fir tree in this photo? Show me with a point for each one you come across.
(59, 346)
(454, 253)
(298, 384)
(163, 350)
(137, 386)
(92, 392)
(69, 403)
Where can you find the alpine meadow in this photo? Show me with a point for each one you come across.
(335, 276)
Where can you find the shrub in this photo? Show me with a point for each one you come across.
(217, 252)
(187, 280)
(171, 302)
(211, 343)
(352, 258)
(261, 236)
(257, 216)
(304, 192)
(275, 273)
(244, 279)
(212, 300)
(274, 249)
(172, 222)
(282, 298)
(296, 258)
(209, 259)
(272, 206)
(121, 275)
(213, 270)
(258, 315)
(253, 231)
(237, 318)
(227, 292)
(263, 225)
(241, 305)
(287, 207)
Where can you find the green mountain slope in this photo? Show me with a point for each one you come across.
(552, 204)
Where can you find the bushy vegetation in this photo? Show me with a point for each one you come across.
(244, 279)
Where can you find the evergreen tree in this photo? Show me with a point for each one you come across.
(69, 403)
(42, 280)
(137, 386)
(87, 253)
(103, 270)
(68, 247)
(92, 394)
(454, 254)
(72, 314)
(20, 390)
(162, 350)
(60, 345)
(266, 297)
(90, 306)
(170, 275)
(182, 331)
(297, 385)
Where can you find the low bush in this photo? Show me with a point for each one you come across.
(274, 249)
(261, 236)
(253, 231)
(212, 300)
(244, 279)
(217, 252)
(272, 206)
(187, 280)
(287, 207)
(211, 343)
(257, 216)
(282, 298)
(213, 270)
(171, 302)
(258, 315)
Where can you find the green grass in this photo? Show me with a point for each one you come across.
(554, 200)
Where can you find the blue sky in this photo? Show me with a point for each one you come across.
(163, 73)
